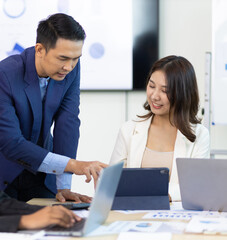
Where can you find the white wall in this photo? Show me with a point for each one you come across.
(102, 114)
(185, 29)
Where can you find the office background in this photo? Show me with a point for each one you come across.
(185, 28)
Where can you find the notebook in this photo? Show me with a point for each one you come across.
(142, 189)
(100, 206)
(203, 183)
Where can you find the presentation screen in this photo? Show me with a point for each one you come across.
(121, 42)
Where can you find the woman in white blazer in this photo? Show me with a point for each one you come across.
(171, 128)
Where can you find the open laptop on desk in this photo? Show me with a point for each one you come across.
(100, 206)
(203, 183)
(142, 189)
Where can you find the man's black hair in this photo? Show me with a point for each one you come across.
(58, 26)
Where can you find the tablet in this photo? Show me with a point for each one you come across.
(142, 189)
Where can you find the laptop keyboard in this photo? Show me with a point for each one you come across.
(78, 226)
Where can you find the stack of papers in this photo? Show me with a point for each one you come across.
(207, 225)
(178, 215)
(144, 236)
(140, 227)
(21, 236)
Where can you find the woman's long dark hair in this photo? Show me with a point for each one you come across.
(182, 92)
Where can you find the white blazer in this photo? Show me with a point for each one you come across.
(132, 140)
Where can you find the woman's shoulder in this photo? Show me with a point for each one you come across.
(128, 127)
(199, 127)
(137, 123)
(200, 130)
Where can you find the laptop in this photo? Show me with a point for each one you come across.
(142, 189)
(100, 206)
(203, 183)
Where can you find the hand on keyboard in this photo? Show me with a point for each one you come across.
(47, 216)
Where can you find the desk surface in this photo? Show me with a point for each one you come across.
(117, 216)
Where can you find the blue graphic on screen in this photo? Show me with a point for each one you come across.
(17, 49)
(96, 50)
(14, 8)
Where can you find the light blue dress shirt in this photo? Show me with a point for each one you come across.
(54, 163)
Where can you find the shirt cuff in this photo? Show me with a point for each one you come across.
(63, 181)
(53, 163)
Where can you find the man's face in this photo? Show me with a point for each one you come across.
(58, 61)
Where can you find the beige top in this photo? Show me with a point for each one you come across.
(156, 159)
(132, 140)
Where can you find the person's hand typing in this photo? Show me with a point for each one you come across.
(47, 216)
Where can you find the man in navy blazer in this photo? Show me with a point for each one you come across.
(38, 88)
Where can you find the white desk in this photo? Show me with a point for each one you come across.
(116, 216)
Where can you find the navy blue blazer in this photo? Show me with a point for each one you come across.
(22, 117)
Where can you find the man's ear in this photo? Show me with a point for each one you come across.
(40, 50)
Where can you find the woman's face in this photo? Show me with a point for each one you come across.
(156, 94)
